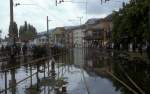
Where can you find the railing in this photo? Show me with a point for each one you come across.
(31, 63)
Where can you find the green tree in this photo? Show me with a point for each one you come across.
(27, 32)
(131, 23)
(14, 32)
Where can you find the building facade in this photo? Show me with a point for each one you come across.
(58, 37)
(98, 34)
(69, 39)
(78, 37)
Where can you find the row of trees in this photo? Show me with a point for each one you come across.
(25, 33)
(131, 24)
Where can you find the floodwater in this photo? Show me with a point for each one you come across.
(80, 71)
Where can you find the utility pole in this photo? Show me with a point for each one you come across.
(11, 30)
(47, 26)
(11, 16)
(11, 19)
(11, 13)
(48, 43)
(86, 8)
(149, 18)
(149, 23)
(0, 33)
(47, 20)
(80, 19)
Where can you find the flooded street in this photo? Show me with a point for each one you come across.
(75, 47)
(79, 71)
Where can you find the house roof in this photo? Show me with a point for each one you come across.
(59, 30)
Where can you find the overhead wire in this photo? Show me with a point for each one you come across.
(47, 10)
(83, 2)
(60, 20)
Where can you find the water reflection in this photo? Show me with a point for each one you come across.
(139, 73)
(80, 71)
(82, 79)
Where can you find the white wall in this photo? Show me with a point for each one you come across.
(78, 35)
(39, 41)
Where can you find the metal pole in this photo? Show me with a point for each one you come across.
(48, 68)
(149, 18)
(80, 18)
(47, 32)
(37, 77)
(44, 69)
(48, 42)
(47, 26)
(86, 8)
(31, 75)
(11, 18)
(12, 26)
(5, 82)
(11, 13)
(148, 25)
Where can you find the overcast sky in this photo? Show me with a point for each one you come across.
(60, 15)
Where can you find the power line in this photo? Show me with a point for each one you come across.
(86, 9)
(46, 10)
(71, 1)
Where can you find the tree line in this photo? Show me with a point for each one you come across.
(25, 33)
(131, 25)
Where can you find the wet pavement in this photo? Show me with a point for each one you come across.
(80, 71)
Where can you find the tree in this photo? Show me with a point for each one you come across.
(131, 23)
(13, 34)
(27, 32)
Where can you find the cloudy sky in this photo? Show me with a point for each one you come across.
(60, 15)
